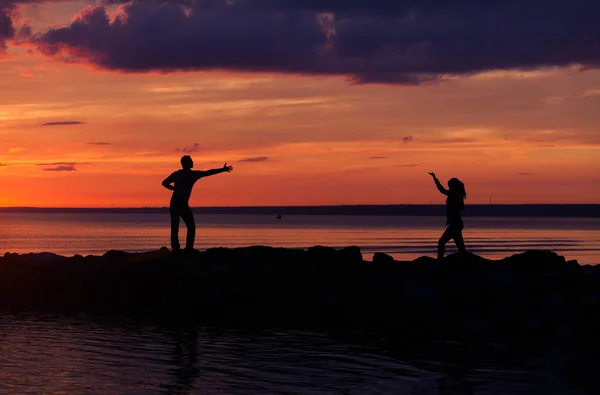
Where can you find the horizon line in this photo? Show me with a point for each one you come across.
(297, 206)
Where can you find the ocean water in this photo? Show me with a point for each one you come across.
(41, 354)
(404, 237)
(53, 355)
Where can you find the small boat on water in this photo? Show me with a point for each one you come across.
(278, 216)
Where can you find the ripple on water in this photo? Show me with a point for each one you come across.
(53, 355)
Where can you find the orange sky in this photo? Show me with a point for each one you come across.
(518, 137)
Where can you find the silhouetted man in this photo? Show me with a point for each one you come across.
(183, 181)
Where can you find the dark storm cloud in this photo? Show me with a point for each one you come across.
(371, 41)
(255, 159)
(117, 2)
(165, 37)
(7, 29)
(63, 123)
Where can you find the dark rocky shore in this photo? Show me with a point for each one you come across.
(530, 300)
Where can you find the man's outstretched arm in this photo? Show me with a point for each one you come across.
(206, 173)
(168, 181)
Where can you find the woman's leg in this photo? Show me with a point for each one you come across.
(446, 236)
(458, 238)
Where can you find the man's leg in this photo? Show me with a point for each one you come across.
(188, 219)
(174, 228)
(446, 236)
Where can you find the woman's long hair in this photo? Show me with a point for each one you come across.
(456, 185)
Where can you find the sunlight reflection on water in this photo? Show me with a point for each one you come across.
(402, 237)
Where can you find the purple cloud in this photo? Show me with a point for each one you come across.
(378, 157)
(407, 139)
(371, 41)
(7, 29)
(98, 143)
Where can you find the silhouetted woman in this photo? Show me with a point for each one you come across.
(454, 204)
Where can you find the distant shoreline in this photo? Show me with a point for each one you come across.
(471, 210)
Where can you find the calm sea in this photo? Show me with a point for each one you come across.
(404, 237)
(53, 355)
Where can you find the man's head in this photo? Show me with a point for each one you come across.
(187, 162)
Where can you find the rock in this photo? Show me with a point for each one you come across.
(349, 255)
(380, 257)
(116, 255)
(321, 254)
(535, 298)
(42, 257)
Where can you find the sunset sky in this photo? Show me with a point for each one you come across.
(312, 101)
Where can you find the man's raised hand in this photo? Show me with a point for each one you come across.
(432, 174)
(227, 168)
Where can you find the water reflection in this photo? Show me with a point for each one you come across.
(53, 355)
(185, 361)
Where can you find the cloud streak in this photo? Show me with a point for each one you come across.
(63, 123)
(255, 159)
(60, 166)
(370, 41)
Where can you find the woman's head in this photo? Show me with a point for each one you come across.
(456, 185)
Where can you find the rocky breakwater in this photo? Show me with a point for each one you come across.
(531, 299)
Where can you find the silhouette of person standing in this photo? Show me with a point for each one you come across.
(454, 204)
(183, 181)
